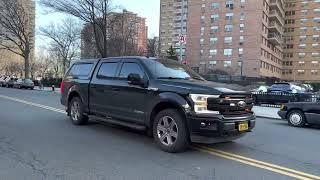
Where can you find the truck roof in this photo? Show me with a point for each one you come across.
(120, 57)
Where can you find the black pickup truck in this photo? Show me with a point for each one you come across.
(165, 98)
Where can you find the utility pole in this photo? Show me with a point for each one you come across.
(181, 29)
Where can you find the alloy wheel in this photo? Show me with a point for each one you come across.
(75, 111)
(295, 119)
(167, 131)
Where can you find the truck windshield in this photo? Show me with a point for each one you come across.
(168, 69)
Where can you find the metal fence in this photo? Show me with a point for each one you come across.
(280, 98)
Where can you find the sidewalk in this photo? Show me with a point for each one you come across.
(48, 89)
(266, 112)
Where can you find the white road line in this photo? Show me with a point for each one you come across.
(34, 104)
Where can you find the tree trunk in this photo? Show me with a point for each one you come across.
(27, 65)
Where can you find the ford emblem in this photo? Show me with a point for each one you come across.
(242, 104)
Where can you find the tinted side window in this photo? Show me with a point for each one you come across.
(80, 70)
(108, 70)
(130, 68)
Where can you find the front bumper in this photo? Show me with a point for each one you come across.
(282, 114)
(217, 128)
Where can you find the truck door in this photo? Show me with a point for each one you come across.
(101, 89)
(131, 100)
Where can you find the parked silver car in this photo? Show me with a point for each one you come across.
(24, 83)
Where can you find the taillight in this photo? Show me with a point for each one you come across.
(62, 87)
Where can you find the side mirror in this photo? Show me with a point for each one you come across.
(135, 79)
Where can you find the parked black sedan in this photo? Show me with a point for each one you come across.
(10, 81)
(24, 83)
(298, 114)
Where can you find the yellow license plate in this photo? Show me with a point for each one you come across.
(243, 126)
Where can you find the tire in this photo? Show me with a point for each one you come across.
(76, 112)
(296, 118)
(170, 131)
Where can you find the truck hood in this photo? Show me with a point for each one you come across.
(198, 87)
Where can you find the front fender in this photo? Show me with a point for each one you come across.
(168, 97)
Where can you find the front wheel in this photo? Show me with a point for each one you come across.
(296, 118)
(76, 112)
(170, 131)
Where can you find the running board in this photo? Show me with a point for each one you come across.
(119, 122)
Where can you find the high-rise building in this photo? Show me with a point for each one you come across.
(127, 27)
(301, 58)
(254, 38)
(173, 24)
(239, 37)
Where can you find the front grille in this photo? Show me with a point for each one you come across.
(232, 104)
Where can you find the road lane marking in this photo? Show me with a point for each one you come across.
(259, 162)
(34, 104)
(226, 155)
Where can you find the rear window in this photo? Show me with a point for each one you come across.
(80, 70)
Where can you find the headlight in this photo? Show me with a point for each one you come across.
(201, 103)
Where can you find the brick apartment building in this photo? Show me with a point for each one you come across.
(254, 38)
(128, 25)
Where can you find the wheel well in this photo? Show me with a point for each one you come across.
(294, 109)
(72, 95)
(162, 106)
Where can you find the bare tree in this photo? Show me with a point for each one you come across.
(16, 33)
(65, 40)
(152, 47)
(94, 12)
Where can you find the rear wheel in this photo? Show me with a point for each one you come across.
(170, 131)
(296, 118)
(76, 112)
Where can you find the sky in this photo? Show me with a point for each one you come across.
(150, 9)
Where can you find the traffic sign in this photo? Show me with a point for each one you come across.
(183, 39)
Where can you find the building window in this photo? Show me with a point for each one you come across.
(215, 5)
(228, 28)
(302, 46)
(241, 27)
(304, 12)
(227, 52)
(242, 3)
(229, 4)
(301, 63)
(201, 52)
(241, 16)
(316, 54)
(316, 19)
(202, 19)
(228, 40)
(241, 40)
(316, 38)
(315, 45)
(301, 72)
(229, 16)
(302, 55)
(202, 31)
(201, 41)
(214, 18)
(213, 52)
(227, 63)
(212, 64)
(214, 29)
(304, 4)
(314, 72)
(240, 52)
(213, 40)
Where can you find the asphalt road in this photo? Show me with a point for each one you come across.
(39, 142)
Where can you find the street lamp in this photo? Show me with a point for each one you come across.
(240, 62)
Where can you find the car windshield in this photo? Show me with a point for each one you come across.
(27, 81)
(169, 69)
(280, 86)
